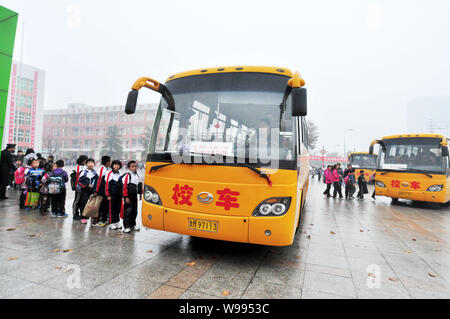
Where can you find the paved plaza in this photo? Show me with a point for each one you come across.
(343, 249)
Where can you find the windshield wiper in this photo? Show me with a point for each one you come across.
(419, 171)
(409, 170)
(257, 171)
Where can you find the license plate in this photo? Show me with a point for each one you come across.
(203, 225)
(404, 194)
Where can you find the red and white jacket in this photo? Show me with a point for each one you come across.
(131, 184)
(102, 172)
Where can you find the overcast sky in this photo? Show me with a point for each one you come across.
(363, 61)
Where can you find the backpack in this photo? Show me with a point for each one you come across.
(55, 185)
(73, 180)
(19, 175)
(347, 179)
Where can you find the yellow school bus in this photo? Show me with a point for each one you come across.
(227, 158)
(413, 166)
(363, 161)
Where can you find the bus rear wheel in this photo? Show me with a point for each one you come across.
(394, 201)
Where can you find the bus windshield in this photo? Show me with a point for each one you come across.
(410, 154)
(230, 114)
(363, 161)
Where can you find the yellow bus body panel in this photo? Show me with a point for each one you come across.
(237, 223)
(413, 186)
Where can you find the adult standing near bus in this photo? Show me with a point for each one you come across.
(7, 167)
(328, 174)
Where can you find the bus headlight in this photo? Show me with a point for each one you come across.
(435, 188)
(380, 184)
(275, 206)
(151, 196)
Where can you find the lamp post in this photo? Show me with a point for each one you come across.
(345, 135)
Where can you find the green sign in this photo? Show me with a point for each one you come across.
(8, 24)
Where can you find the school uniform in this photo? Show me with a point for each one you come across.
(132, 187)
(113, 190)
(87, 183)
(76, 202)
(103, 211)
(33, 180)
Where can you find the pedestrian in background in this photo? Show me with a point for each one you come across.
(113, 193)
(75, 176)
(132, 187)
(336, 182)
(102, 218)
(7, 168)
(328, 174)
(87, 183)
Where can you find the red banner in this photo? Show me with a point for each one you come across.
(336, 159)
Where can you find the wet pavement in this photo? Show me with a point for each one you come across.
(344, 249)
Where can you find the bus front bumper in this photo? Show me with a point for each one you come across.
(434, 197)
(271, 231)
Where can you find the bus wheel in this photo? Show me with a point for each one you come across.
(445, 205)
(394, 201)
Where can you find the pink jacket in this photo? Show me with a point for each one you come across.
(328, 176)
(336, 176)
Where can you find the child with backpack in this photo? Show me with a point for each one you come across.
(132, 187)
(86, 183)
(32, 180)
(19, 179)
(43, 190)
(113, 193)
(74, 178)
(103, 210)
(57, 189)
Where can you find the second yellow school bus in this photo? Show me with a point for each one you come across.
(227, 158)
(414, 167)
(363, 161)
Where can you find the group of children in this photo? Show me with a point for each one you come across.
(119, 192)
(43, 186)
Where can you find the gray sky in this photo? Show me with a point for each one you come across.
(363, 61)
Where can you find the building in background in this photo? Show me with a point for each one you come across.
(429, 115)
(24, 114)
(83, 129)
(8, 24)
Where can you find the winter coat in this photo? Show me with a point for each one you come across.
(335, 176)
(7, 167)
(328, 176)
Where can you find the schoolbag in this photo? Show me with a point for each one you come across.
(55, 185)
(347, 179)
(20, 176)
(73, 180)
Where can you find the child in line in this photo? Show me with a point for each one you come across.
(33, 181)
(86, 183)
(58, 181)
(44, 198)
(113, 193)
(19, 179)
(362, 184)
(103, 210)
(132, 187)
(81, 161)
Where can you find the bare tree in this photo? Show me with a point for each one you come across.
(313, 134)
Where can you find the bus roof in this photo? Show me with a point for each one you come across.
(227, 69)
(414, 135)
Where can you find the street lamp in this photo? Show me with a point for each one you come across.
(345, 135)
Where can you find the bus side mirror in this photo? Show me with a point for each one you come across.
(445, 151)
(298, 98)
(371, 149)
(130, 107)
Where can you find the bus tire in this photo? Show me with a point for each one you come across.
(394, 201)
(445, 205)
